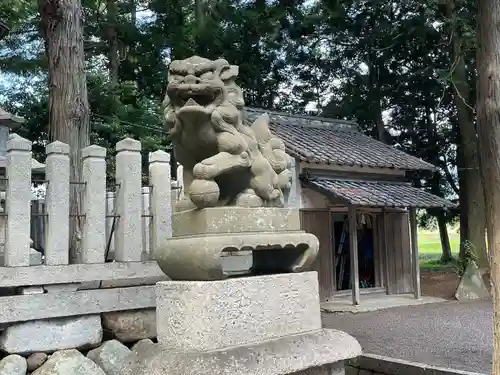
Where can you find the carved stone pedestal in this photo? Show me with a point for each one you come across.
(202, 237)
(262, 325)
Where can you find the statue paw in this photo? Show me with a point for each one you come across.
(248, 198)
(184, 204)
(205, 171)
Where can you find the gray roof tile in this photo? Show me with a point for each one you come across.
(377, 193)
(326, 141)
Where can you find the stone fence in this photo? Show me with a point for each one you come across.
(64, 296)
(371, 364)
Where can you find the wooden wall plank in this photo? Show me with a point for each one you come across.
(77, 273)
(391, 253)
(51, 305)
(396, 229)
(317, 223)
(406, 253)
(399, 253)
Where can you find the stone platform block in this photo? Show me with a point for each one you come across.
(50, 335)
(130, 326)
(321, 352)
(204, 316)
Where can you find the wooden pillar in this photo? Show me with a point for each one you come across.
(353, 246)
(385, 250)
(414, 253)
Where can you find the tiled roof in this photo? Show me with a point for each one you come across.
(9, 119)
(377, 193)
(326, 141)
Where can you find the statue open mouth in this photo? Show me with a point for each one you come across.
(200, 97)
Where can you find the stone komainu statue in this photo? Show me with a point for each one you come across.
(226, 161)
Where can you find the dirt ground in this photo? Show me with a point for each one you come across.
(442, 284)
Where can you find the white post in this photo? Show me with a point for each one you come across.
(161, 197)
(94, 204)
(18, 200)
(110, 212)
(57, 204)
(128, 205)
(146, 224)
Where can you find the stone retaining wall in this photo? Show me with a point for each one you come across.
(371, 364)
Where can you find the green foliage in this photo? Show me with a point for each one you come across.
(469, 255)
(372, 62)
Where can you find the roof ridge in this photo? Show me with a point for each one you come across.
(329, 123)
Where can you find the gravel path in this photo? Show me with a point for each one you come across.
(449, 334)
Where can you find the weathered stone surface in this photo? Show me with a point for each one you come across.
(110, 356)
(34, 255)
(218, 220)
(199, 257)
(36, 360)
(52, 334)
(69, 362)
(201, 316)
(471, 285)
(143, 346)
(287, 355)
(13, 365)
(129, 326)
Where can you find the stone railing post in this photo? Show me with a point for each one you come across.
(161, 197)
(94, 205)
(57, 204)
(18, 200)
(110, 218)
(146, 224)
(128, 204)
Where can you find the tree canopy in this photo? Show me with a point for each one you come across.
(405, 71)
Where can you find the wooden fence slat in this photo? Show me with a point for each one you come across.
(50, 305)
(76, 273)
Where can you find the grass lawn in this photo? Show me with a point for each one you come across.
(429, 247)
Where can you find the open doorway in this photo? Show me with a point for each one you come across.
(366, 254)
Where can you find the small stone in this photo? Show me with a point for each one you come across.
(143, 346)
(13, 365)
(130, 326)
(36, 360)
(110, 356)
(69, 362)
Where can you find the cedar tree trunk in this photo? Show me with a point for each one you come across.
(488, 126)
